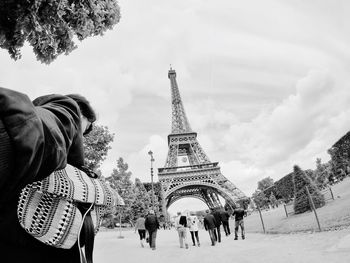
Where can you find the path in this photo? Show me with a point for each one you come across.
(294, 248)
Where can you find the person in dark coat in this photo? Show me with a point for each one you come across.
(239, 214)
(217, 233)
(152, 225)
(210, 225)
(225, 216)
(45, 135)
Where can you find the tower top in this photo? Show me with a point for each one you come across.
(180, 123)
(171, 72)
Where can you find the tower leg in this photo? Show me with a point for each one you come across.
(207, 198)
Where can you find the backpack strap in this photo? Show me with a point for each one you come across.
(87, 233)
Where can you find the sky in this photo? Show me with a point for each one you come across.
(265, 84)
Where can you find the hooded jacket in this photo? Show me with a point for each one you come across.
(209, 222)
(151, 223)
(217, 217)
(44, 135)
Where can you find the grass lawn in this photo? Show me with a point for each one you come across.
(335, 214)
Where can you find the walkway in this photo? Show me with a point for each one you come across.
(294, 248)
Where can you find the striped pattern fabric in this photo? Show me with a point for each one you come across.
(48, 210)
(72, 183)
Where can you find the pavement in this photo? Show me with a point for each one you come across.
(342, 245)
(327, 247)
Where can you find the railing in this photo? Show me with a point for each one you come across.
(328, 194)
(289, 209)
(188, 167)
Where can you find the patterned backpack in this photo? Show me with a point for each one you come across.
(54, 209)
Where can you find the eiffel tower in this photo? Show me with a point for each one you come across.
(188, 172)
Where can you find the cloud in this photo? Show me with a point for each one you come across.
(297, 131)
(242, 175)
(264, 87)
(275, 135)
(207, 113)
(139, 162)
(106, 86)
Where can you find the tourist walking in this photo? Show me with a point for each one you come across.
(239, 214)
(217, 233)
(193, 223)
(210, 225)
(225, 216)
(46, 134)
(181, 227)
(140, 227)
(152, 225)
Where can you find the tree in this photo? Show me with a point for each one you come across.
(158, 196)
(50, 26)
(301, 202)
(273, 189)
(96, 146)
(142, 202)
(285, 187)
(340, 157)
(321, 173)
(259, 198)
(311, 174)
(265, 183)
(120, 181)
(273, 200)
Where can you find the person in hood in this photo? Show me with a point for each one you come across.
(45, 135)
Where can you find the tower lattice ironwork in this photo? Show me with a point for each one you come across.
(188, 172)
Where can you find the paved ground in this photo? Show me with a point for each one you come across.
(321, 247)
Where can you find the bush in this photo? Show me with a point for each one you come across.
(301, 202)
(285, 188)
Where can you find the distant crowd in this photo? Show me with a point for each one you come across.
(147, 226)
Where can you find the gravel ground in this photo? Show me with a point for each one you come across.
(331, 246)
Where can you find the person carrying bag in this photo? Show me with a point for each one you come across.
(36, 139)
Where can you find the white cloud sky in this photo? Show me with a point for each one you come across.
(265, 84)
